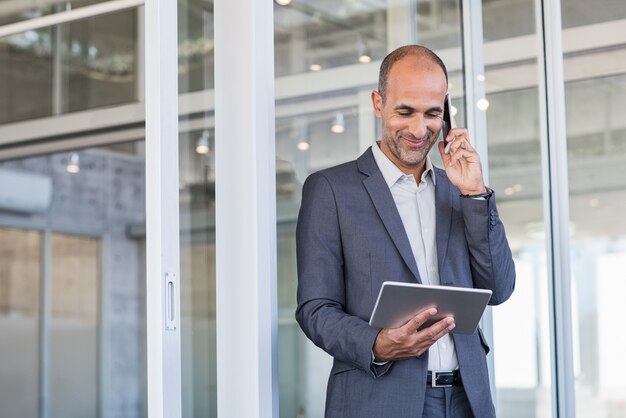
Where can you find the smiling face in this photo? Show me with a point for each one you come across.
(411, 112)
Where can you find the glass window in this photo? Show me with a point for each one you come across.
(522, 360)
(507, 19)
(70, 67)
(71, 242)
(99, 61)
(579, 13)
(12, 11)
(319, 43)
(197, 210)
(75, 273)
(26, 75)
(20, 277)
(596, 144)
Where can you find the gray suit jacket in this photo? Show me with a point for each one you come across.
(350, 239)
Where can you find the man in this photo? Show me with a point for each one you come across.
(391, 215)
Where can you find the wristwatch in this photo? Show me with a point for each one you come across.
(484, 196)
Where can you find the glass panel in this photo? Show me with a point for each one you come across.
(17, 10)
(334, 125)
(26, 75)
(20, 276)
(195, 45)
(507, 19)
(579, 13)
(92, 203)
(522, 354)
(73, 327)
(76, 66)
(317, 35)
(99, 61)
(596, 138)
(197, 210)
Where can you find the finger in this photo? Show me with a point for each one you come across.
(429, 336)
(460, 142)
(463, 155)
(420, 319)
(458, 133)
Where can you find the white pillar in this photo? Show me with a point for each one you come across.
(247, 375)
(162, 215)
(556, 202)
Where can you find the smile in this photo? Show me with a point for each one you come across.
(415, 143)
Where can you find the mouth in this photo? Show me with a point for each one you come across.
(414, 142)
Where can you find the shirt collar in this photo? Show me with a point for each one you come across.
(391, 173)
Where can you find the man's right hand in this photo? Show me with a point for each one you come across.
(406, 341)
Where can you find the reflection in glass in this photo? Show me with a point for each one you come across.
(195, 45)
(331, 127)
(20, 276)
(197, 271)
(73, 327)
(596, 159)
(76, 270)
(197, 210)
(312, 36)
(99, 61)
(70, 67)
(26, 75)
(15, 11)
(522, 353)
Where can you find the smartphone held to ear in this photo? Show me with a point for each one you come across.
(448, 123)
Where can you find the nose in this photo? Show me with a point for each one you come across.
(418, 127)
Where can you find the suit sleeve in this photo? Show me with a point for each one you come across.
(321, 286)
(491, 260)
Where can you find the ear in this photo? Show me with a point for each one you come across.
(377, 103)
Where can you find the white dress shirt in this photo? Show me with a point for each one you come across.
(416, 205)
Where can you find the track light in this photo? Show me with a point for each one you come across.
(73, 165)
(202, 145)
(364, 54)
(339, 124)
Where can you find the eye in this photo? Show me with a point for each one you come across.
(405, 112)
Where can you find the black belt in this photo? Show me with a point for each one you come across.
(443, 379)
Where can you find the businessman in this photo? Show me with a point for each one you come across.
(392, 215)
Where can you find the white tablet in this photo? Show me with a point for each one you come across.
(398, 302)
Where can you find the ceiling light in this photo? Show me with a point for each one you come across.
(482, 104)
(594, 202)
(364, 53)
(509, 191)
(454, 110)
(480, 77)
(365, 58)
(304, 146)
(315, 67)
(339, 124)
(73, 166)
(202, 145)
(283, 2)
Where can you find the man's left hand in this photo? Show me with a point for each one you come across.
(463, 163)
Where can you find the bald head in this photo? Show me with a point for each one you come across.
(417, 51)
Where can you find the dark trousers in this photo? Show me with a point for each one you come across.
(450, 402)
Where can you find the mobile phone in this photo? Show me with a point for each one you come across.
(448, 122)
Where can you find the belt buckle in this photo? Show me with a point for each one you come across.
(433, 380)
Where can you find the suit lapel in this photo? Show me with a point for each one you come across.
(385, 206)
(443, 209)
